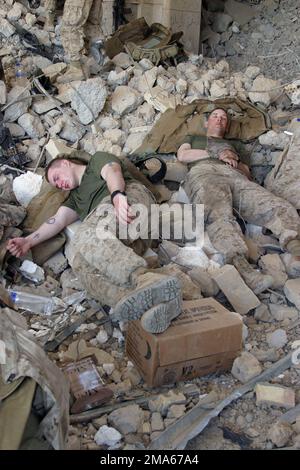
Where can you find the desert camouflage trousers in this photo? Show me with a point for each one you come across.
(106, 265)
(222, 190)
(283, 180)
(76, 14)
(34, 393)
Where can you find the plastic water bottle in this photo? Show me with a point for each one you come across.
(33, 303)
(20, 74)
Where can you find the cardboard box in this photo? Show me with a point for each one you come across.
(205, 338)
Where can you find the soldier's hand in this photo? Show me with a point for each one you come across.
(122, 209)
(229, 157)
(18, 246)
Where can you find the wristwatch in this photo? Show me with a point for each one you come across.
(114, 193)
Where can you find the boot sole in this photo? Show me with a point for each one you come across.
(158, 318)
(141, 300)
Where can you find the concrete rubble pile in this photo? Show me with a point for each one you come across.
(113, 110)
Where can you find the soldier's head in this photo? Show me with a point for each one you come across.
(217, 123)
(65, 173)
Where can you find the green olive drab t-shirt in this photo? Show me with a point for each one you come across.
(93, 188)
(212, 145)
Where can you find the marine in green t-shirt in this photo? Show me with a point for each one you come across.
(93, 188)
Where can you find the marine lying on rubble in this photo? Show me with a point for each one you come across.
(111, 270)
(222, 183)
(76, 15)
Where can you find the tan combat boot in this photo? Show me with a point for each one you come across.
(157, 298)
(254, 279)
(73, 73)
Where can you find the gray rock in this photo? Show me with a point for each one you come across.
(125, 100)
(15, 13)
(15, 129)
(273, 265)
(280, 433)
(43, 106)
(252, 72)
(221, 22)
(245, 367)
(262, 314)
(32, 125)
(33, 152)
(292, 265)
(6, 28)
(72, 131)
(281, 312)
(2, 92)
(123, 60)
(115, 136)
(274, 140)
(16, 110)
(277, 339)
(89, 99)
(57, 263)
(292, 291)
(107, 122)
(263, 90)
(116, 79)
(163, 402)
(157, 423)
(127, 419)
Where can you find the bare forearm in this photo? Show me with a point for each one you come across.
(63, 217)
(115, 180)
(192, 155)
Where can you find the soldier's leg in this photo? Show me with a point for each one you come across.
(258, 206)
(208, 184)
(113, 273)
(75, 15)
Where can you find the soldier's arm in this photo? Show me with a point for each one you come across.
(186, 154)
(112, 174)
(21, 245)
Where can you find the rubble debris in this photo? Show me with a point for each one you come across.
(277, 339)
(280, 433)
(238, 293)
(107, 436)
(275, 395)
(245, 367)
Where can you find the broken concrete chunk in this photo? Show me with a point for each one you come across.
(13, 112)
(128, 419)
(2, 92)
(163, 402)
(237, 292)
(123, 60)
(208, 286)
(281, 312)
(32, 125)
(6, 29)
(292, 265)
(89, 99)
(263, 90)
(15, 129)
(272, 264)
(56, 147)
(262, 314)
(252, 71)
(246, 367)
(280, 433)
(57, 263)
(292, 291)
(52, 71)
(274, 140)
(157, 423)
(125, 100)
(275, 395)
(44, 105)
(176, 411)
(277, 339)
(107, 436)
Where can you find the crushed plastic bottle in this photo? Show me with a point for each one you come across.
(20, 74)
(36, 303)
